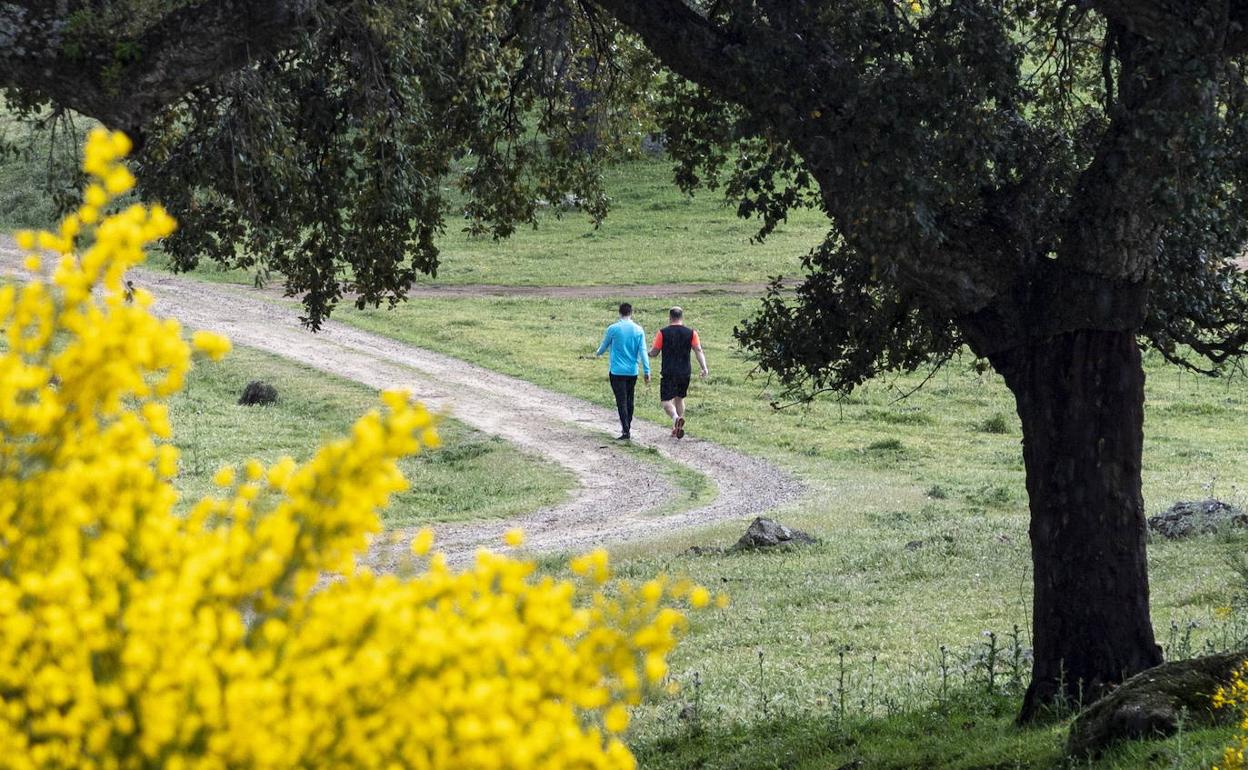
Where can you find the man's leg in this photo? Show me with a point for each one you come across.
(619, 388)
(670, 409)
(631, 384)
(679, 390)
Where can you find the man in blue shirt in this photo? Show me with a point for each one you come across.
(627, 343)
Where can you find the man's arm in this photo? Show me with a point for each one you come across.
(657, 347)
(697, 351)
(606, 342)
(641, 353)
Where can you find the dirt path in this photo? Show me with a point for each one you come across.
(619, 497)
(622, 292)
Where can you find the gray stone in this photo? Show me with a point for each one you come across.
(1186, 518)
(765, 533)
(258, 392)
(1153, 703)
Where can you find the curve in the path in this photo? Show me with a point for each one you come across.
(619, 496)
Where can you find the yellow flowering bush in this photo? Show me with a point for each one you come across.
(132, 636)
(1235, 695)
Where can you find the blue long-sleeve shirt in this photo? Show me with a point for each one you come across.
(627, 343)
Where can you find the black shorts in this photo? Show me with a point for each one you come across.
(673, 387)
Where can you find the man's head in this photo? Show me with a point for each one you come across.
(676, 315)
(626, 310)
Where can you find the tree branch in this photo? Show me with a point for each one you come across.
(696, 49)
(1158, 20)
(123, 83)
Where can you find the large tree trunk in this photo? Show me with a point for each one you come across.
(1080, 395)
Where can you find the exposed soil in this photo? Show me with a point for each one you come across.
(620, 496)
(620, 292)
(623, 292)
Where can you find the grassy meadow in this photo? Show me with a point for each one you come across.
(833, 655)
(472, 476)
(921, 507)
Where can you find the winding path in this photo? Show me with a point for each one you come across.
(619, 497)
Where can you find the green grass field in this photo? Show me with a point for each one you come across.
(653, 234)
(471, 476)
(922, 510)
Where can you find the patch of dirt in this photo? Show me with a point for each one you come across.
(619, 495)
(623, 291)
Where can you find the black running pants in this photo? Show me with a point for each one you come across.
(623, 386)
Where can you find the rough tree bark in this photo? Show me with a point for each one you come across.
(1080, 396)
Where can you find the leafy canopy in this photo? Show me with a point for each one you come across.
(993, 171)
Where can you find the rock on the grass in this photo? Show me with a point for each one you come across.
(765, 533)
(1196, 517)
(258, 392)
(1153, 703)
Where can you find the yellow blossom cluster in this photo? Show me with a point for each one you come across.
(1235, 695)
(135, 637)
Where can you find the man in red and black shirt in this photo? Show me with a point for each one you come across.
(676, 341)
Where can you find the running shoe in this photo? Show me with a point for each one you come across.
(679, 430)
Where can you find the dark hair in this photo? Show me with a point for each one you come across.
(626, 309)
(675, 314)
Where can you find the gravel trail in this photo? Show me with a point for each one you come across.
(619, 496)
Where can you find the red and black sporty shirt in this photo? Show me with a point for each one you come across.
(676, 341)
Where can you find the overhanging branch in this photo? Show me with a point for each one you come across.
(724, 61)
(124, 83)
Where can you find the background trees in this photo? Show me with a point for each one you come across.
(1047, 182)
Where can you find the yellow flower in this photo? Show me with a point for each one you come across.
(514, 537)
(224, 477)
(422, 541)
(616, 719)
(212, 345)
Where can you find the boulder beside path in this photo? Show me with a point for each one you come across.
(1194, 517)
(766, 533)
(1154, 703)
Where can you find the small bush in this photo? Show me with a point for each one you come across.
(886, 445)
(998, 423)
(991, 496)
